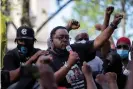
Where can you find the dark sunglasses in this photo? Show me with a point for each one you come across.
(80, 39)
(123, 46)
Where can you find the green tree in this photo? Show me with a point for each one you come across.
(91, 12)
(4, 13)
(3, 38)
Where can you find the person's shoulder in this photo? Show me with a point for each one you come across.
(11, 52)
(36, 49)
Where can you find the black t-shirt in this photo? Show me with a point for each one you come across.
(13, 59)
(74, 78)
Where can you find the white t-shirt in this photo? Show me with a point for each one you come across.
(96, 64)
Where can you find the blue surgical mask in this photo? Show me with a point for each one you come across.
(22, 49)
(123, 53)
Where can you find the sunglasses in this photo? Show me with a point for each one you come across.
(80, 39)
(123, 46)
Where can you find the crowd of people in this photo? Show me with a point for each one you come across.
(86, 64)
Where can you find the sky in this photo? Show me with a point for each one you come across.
(58, 19)
(66, 12)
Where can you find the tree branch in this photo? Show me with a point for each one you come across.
(38, 30)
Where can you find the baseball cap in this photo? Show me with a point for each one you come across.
(25, 32)
(125, 40)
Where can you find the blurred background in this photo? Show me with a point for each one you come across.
(44, 15)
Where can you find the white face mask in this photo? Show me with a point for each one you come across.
(82, 41)
(126, 72)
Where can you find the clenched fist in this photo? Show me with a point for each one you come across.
(117, 19)
(109, 10)
(73, 24)
(111, 77)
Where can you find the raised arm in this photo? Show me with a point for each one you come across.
(105, 35)
(106, 47)
(86, 69)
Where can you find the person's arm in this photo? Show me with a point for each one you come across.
(46, 74)
(105, 35)
(88, 76)
(14, 74)
(108, 13)
(106, 47)
(61, 73)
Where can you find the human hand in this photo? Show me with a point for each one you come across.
(44, 59)
(100, 79)
(111, 77)
(109, 10)
(117, 19)
(86, 69)
(73, 24)
(37, 54)
(46, 79)
(73, 58)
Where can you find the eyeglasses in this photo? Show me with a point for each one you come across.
(123, 46)
(62, 37)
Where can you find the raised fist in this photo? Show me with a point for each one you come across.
(100, 79)
(46, 79)
(73, 24)
(111, 77)
(109, 10)
(117, 19)
(86, 69)
(44, 59)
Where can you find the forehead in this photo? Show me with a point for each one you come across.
(82, 35)
(61, 32)
(122, 43)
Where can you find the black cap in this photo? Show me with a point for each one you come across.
(25, 32)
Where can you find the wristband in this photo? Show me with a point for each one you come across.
(113, 26)
(66, 65)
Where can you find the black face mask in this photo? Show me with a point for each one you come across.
(61, 52)
(25, 49)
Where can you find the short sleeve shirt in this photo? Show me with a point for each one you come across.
(74, 78)
(13, 60)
